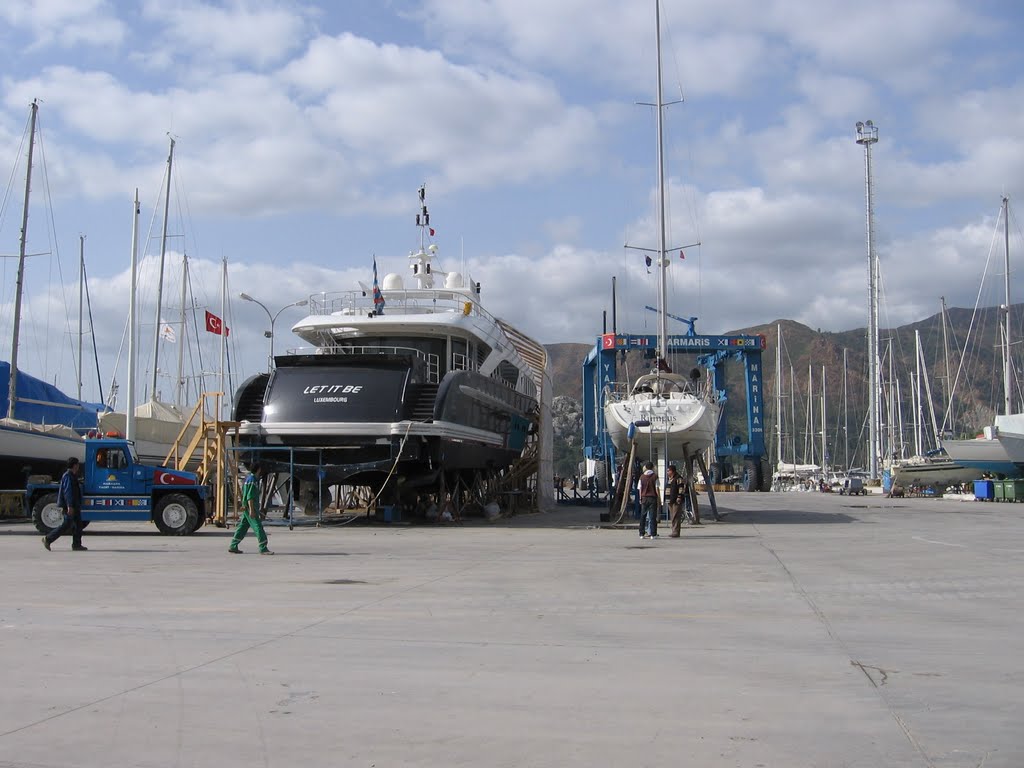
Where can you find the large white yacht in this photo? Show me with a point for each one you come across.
(414, 385)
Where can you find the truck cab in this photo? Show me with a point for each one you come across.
(116, 486)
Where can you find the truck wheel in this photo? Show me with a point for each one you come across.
(751, 475)
(46, 515)
(176, 515)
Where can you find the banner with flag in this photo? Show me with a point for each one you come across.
(378, 297)
(167, 332)
(214, 324)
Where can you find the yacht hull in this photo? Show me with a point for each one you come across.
(361, 422)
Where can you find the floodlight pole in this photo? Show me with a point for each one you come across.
(867, 134)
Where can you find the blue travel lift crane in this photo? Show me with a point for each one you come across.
(600, 371)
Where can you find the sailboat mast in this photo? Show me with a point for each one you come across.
(947, 418)
(918, 405)
(1007, 372)
(846, 411)
(12, 389)
(936, 433)
(662, 261)
(160, 275)
(824, 435)
(133, 353)
(81, 303)
(221, 399)
(778, 392)
(179, 398)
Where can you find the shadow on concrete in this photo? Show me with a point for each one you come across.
(320, 554)
(788, 517)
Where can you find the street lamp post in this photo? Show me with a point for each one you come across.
(273, 319)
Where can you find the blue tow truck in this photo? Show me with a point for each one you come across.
(117, 486)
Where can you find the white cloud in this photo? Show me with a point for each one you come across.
(254, 32)
(64, 23)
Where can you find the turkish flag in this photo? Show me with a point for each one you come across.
(168, 478)
(608, 341)
(214, 325)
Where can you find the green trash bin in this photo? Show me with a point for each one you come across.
(999, 490)
(1014, 490)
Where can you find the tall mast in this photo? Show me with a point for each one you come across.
(846, 412)
(179, 392)
(662, 261)
(133, 353)
(947, 419)
(824, 436)
(221, 398)
(12, 391)
(792, 408)
(160, 275)
(918, 405)
(936, 433)
(1007, 371)
(809, 447)
(81, 302)
(778, 391)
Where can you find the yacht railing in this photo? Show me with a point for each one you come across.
(400, 302)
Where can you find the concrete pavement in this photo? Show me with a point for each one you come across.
(802, 630)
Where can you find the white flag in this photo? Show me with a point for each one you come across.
(167, 333)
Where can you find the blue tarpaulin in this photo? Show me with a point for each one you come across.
(43, 403)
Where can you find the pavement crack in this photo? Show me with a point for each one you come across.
(839, 641)
(883, 674)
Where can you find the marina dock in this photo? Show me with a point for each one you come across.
(803, 630)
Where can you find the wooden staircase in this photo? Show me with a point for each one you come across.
(206, 452)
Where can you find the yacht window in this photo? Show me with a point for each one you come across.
(460, 355)
(508, 373)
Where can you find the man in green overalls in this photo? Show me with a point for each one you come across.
(250, 513)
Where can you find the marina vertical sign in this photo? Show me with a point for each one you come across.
(755, 404)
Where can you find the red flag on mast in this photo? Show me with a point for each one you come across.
(214, 324)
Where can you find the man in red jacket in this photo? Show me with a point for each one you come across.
(650, 501)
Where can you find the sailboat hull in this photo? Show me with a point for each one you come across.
(935, 473)
(678, 425)
(26, 449)
(999, 453)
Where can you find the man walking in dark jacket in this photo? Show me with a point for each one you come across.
(69, 499)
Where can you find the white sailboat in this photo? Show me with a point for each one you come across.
(677, 414)
(1000, 448)
(154, 425)
(932, 468)
(38, 431)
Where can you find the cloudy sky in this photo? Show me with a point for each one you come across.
(303, 131)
